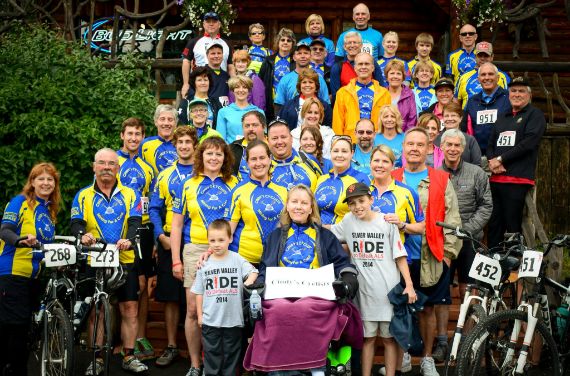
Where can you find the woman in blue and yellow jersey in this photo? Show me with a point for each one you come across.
(32, 215)
(256, 204)
(331, 187)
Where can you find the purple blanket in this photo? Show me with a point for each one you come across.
(295, 334)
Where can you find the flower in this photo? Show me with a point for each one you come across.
(195, 9)
(479, 12)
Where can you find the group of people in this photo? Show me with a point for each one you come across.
(360, 149)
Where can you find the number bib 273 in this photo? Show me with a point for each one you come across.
(530, 264)
(105, 259)
(486, 269)
(59, 255)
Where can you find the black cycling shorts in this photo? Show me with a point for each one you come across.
(168, 288)
(146, 266)
(437, 294)
(16, 299)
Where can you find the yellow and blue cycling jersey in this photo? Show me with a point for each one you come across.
(299, 250)
(203, 200)
(469, 85)
(280, 69)
(167, 186)
(138, 175)
(158, 153)
(293, 171)
(425, 97)
(437, 71)
(257, 54)
(331, 192)
(255, 208)
(385, 60)
(106, 217)
(405, 202)
(24, 220)
(458, 62)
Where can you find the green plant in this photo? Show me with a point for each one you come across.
(195, 10)
(479, 12)
(59, 104)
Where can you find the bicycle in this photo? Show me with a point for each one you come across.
(502, 343)
(491, 270)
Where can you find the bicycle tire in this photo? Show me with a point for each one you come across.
(106, 349)
(57, 347)
(488, 342)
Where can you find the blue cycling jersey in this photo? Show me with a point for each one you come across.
(371, 42)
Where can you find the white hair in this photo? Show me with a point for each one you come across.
(454, 133)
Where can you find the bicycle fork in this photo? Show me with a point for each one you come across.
(463, 309)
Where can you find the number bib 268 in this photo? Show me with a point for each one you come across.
(59, 255)
(530, 264)
(105, 259)
(486, 269)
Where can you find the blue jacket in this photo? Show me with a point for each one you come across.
(229, 121)
(401, 326)
(290, 112)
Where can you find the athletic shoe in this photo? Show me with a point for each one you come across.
(406, 365)
(440, 352)
(132, 364)
(427, 367)
(145, 349)
(167, 357)
(99, 366)
(193, 371)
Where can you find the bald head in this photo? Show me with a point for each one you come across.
(361, 16)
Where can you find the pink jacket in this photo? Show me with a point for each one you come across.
(407, 107)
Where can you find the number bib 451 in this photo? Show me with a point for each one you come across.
(530, 264)
(486, 269)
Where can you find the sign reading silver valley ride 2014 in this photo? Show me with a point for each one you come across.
(146, 38)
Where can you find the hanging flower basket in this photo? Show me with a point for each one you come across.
(195, 10)
(479, 12)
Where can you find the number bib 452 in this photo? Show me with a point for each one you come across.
(486, 269)
(105, 259)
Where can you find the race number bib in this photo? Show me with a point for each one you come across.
(367, 47)
(530, 264)
(59, 255)
(486, 117)
(145, 201)
(507, 138)
(486, 269)
(105, 259)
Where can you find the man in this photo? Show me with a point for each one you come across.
(371, 39)
(364, 134)
(289, 167)
(139, 176)
(253, 125)
(468, 85)
(318, 57)
(198, 119)
(430, 266)
(424, 46)
(462, 60)
(360, 99)
(219, 85)
(512, 153)
(107, 209)
(158, 151)
(475, 205)
(169, 289)
(195, 50)
(482, 109)
(287, 87)
(343, 70)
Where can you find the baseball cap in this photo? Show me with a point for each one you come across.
(303, 45)
(444, 81)
(484, 47)
(356, 190)
(214, 45)
(519, 81)
(197, 102)
(318, 41)
(211, 15)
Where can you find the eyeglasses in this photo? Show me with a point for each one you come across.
(318, 49)
(468, 34)
(257, 33)
(341, 137)
(198, 110)
(288, 40)
(360, 132)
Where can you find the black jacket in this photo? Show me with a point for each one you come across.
(183, 118)
(290, 112)
(266, 75)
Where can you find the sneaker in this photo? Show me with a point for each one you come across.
(427, 367)
(167, 357)
(99, 366)
(132, 364)
(406, 363)
(193, 371)
(440, 352)
(143, 348)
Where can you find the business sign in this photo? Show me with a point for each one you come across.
(299, 283)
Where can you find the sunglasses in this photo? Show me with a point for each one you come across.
(257, 33)
(468, 34)
(342, 137)
(361, 132)
(288, 40)
(277, 120)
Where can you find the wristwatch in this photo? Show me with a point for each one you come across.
(403, 228)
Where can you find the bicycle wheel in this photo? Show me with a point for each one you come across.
(489, 350)
(102, 334)
(57, 353)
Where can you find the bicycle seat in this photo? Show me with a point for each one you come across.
(510, 263)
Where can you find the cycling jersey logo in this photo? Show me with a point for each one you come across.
(109, 212)
(327, 196)
(289, 175)
(165, 158)
(267, 207)
(133, 178)
(299, 253)
(213, 200)
(44, 226)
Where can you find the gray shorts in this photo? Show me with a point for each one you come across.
(377, 328)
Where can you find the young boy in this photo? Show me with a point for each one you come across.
(423, 89)
(424, 45)
(380, 257)
(218, 289)
(257, 52)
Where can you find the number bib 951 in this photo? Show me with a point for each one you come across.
(59, 255)
(486, 269)
(108, 258)
(530, 264)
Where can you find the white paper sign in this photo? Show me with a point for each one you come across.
(106, 259)
(298, 283)
(530, 264)
(486, 269)
(59, 255)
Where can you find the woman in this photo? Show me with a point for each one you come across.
(31, 215)
(402, 96)
(315, 28)
(311, 143)
(390, 42)
(432, 125)
(276, 66)
(452, 115)
(203, 198)
(312, 114)
(242, 61)
(331, 187)
(308, 85)
(255, 205)
(229, 117)
(390, 131)
(444, 95)
(200, 82)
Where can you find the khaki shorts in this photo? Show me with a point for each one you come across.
(190, 256)
(377, 328)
